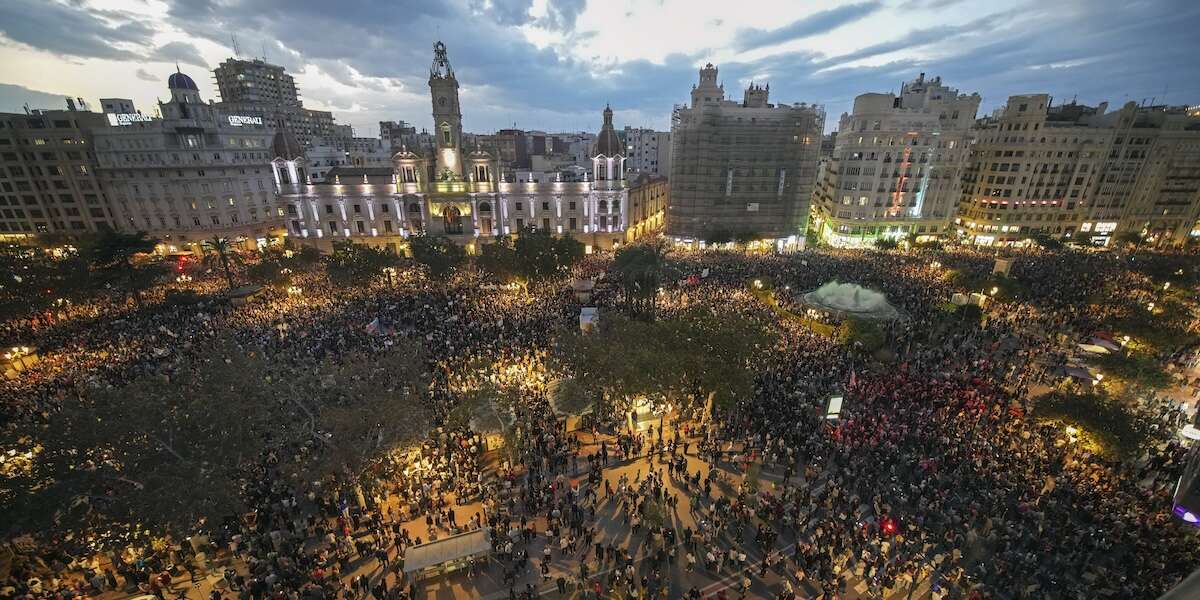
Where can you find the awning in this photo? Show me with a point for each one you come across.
(1093, 349)
(446, 549)
(1099, 341)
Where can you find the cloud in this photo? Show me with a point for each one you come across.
(927, 4)
(562, 14)
(145, 75)
(505, 12)
(14, 98)
(814, 24)
(70, 30)
(180, 52)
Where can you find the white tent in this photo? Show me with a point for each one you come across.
(445, 550)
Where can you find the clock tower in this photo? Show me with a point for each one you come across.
(447, 116)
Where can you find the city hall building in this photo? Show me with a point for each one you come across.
(452, 191)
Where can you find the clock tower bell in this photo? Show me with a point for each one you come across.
(447, 116)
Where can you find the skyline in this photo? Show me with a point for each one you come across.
(582, 54)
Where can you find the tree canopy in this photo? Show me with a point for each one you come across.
(639, 268)
(352, 263)
(438, 253)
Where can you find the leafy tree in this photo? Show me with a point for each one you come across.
(885, 244)
(861, 334)
(1118, 427)
(1082, 238)
(220, 252)
(437, 253)
(111, 256)
(352, 263)
(500, 259)
(307, 257)
(1130, 239)
(745, 237)
(1045, 241)
(718, 236)
(540, 255)
(268, 271)
(697, 353)
(639, 270)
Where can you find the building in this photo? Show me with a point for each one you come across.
(260, 89)
(745, 167)
(896, 165)
(457, 192)
(256, 81)
(194, 174)
(397, 135)
(649, 151)
(48, 180)
(1150, 180)
(117, 106)
(647, 205)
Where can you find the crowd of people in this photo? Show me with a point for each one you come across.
(936, 474)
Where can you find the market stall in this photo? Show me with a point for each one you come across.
(446, 555)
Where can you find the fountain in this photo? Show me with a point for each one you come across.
(851, 300)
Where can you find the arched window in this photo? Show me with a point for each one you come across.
(446, 134)
(452, 220)
(603, 206)
(485, 207)
(616, 206)
(414, 208)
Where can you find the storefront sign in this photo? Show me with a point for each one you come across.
(239, 120)
(121, 119)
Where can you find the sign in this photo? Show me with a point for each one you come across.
(834, 409)
(122, 119)
(239, 120)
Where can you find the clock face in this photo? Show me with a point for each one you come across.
(442, 100)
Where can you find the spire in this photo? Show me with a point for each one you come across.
(440, 68)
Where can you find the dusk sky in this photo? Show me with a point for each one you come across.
(553, 64)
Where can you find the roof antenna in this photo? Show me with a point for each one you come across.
(237, 52)
(177, 67)
(264, 52)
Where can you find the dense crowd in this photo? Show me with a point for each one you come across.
(936, 472)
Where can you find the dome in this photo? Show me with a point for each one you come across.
(179, 81)
(607, 142)
(285, 145)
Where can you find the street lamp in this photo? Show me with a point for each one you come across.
(294, 290)
(994, 290)
(183, 278)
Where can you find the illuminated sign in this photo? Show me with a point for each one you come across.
(834, 409)
(1104, 227)
(121, 119)
(239, 120)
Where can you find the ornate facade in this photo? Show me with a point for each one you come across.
(452, 191)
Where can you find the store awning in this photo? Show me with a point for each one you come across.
(445, 550)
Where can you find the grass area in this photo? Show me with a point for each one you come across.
(767, 296)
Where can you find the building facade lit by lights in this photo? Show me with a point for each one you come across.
(457, 192)
(896, 165)
(1061, 171)
(191, 175)
(741, 167)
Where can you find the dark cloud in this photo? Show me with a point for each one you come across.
(182, 52)
(71, 31)
(145, 75)
(14, 99)
(814, 24)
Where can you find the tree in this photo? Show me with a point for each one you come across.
(539, 255)
(861, 334)
(1044, 241)
(437, 253)
(111, 256)
(268, 271)
(1082, 238)
(220, 252)
(745, 237)
(639, 269)
(500, 259)
(352, 263)
(697, 353)
(1130, 239)
(885, 244)
(718, 237)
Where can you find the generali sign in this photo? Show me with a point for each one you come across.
(239, 120)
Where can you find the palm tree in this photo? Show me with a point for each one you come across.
(111, 255)
(639, 269)
(220, 251)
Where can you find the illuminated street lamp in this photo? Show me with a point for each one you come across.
(1150, 307)
(183, 278)
(758, 284)
(994, 290)
(1166, 286)
(294, 290)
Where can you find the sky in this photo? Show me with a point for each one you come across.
(554, 64)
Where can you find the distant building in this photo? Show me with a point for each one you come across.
(397, 135)
(649, 151)
(48, 180)
(195, 173)
(1039, 169)
(257, 88)
(457, 192)
(744, 167)
(117, 106)
(647, 205)
(897, 165)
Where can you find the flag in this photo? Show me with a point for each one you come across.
(853, 378)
